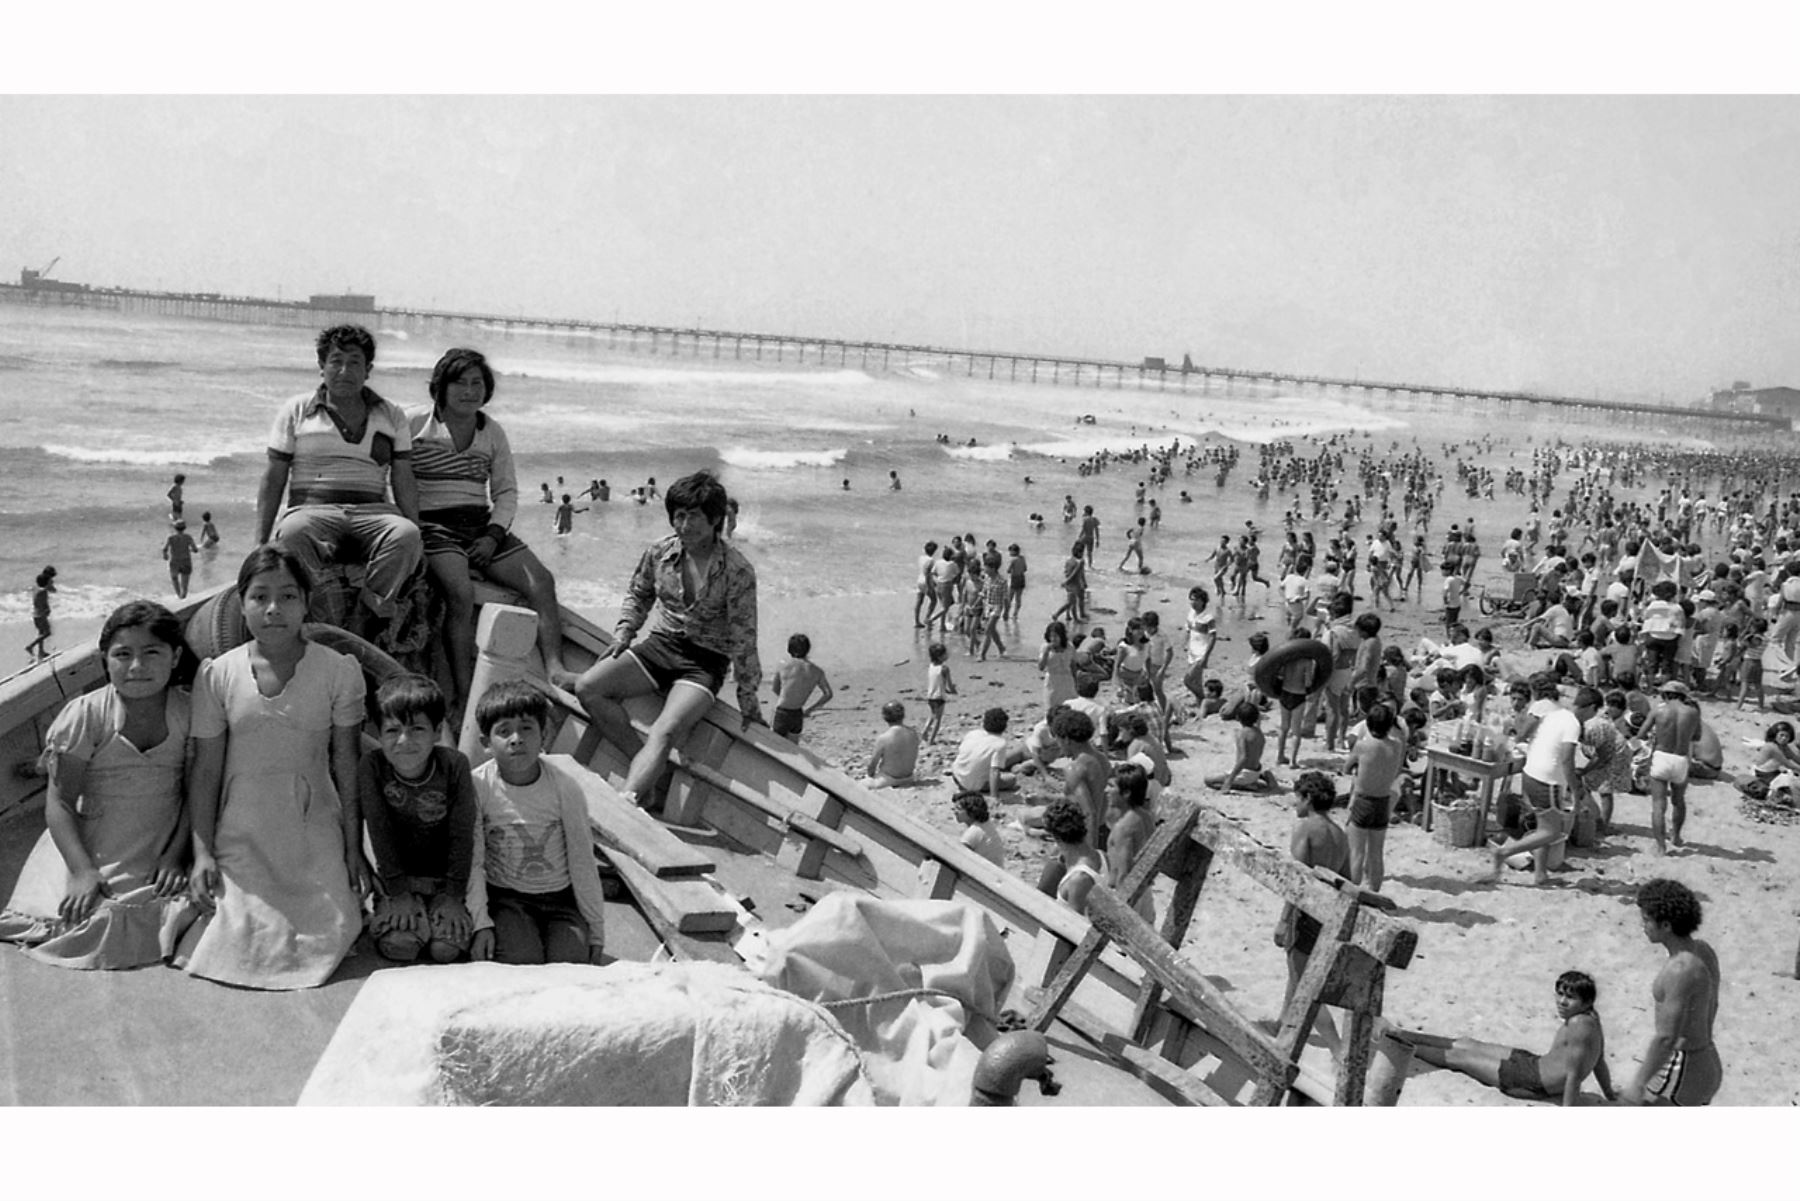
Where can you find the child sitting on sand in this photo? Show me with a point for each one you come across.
(1578, 1049)
(979, 832)
(1247, 771)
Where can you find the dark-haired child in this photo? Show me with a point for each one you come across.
(1247, 771)
(419, 806)
(1750, 668)
(1130, 826)
(1454, 588)
(534, 890)
(1317, 842)
(273, 791)
(1377, 760)
(103, 886)
(795, 682)
(979, 832)
(38, 648)
(939, 683)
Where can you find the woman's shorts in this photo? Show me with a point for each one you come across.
(1369, 812)
(667, 660)
(454, 531)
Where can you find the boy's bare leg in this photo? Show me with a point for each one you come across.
(682, 710)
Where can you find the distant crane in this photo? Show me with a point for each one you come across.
(45, 273)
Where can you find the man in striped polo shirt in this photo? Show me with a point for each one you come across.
(333, 453)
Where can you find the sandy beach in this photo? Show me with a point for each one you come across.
(1488, 953)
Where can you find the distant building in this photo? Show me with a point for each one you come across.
(348, 302)
(1742, 398)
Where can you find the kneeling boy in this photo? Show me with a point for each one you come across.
(419, 803)
(534, 891)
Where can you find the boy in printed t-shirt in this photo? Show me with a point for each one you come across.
(419, 803)
(534, 890)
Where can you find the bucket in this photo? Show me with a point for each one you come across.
(1454, 824)
(1587, 825)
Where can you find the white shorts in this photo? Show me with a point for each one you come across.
(1668, 767)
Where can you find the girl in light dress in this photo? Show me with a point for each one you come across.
(1056, 660)
(105, 885)
(1132, 666)
(279, 874)
(1067, 823)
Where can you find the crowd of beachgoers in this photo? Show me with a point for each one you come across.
(1638, 581)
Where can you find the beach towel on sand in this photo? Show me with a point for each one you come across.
(571, 1034)
(916, 1047)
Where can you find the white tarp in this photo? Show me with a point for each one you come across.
(570, 1034)
(854, 945)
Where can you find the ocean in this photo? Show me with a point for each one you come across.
(99, 410)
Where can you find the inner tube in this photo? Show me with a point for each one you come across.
(1270, 667)
(377, 665)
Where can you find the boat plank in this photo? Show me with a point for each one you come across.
(622, 825)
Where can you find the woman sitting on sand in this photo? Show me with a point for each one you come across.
(1083, 866)
(1777, 753)
(468, 496)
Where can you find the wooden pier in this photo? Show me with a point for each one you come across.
(748, 346)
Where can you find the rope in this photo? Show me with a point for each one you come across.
(899, 994)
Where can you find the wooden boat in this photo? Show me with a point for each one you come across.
(746, 816)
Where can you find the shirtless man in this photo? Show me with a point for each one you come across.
(1578, 1049)
(1680, 1066)
(896, 750)
(1675, 723)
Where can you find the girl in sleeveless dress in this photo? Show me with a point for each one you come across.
(279, 873)
(105, 886)
(1083, 866)
(1056, 660)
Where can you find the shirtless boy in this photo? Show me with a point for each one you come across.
(794, 683)
(1675, 723)
(896, 752)
(1316, 842)
(1578, 1049)
(1681, 1065)
(1376, 759)
(1247, 771)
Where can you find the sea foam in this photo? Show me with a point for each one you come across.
(163, 457)
(778, 460)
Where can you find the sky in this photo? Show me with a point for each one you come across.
(1628, 247)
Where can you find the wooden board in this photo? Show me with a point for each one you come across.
(685, 906)
(623, 826)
